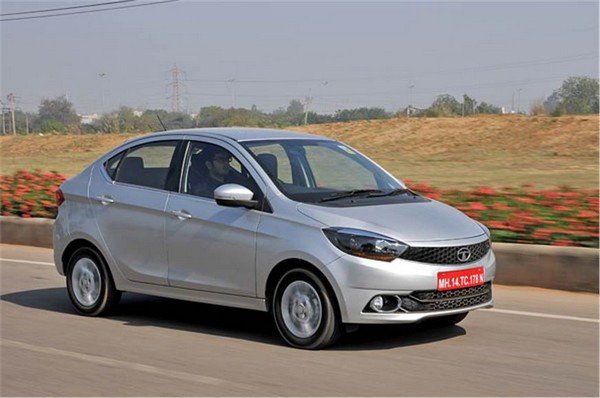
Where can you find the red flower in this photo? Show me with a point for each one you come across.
(478, 206)
(496, 224)
(553, 195)
(562, 242)
(526, 200)
(485, 191)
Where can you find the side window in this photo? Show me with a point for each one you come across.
(111, 165)
(209, 166)
(275, 161)
(147, 165)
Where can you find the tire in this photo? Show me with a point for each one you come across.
(448, 320)
(90, 284)
(311, 321)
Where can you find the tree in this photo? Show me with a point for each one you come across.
(126, 120)
(468, 105)
(577, 95)
(57, 114)
(484, 107)
(364, 113)
(295, 107)
(552, 103)
(446, 105)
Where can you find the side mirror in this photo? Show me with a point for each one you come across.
(234, 195)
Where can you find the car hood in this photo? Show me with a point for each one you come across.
(407, 222)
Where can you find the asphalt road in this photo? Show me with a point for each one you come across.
(535, 342)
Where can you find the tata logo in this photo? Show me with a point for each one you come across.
(463, 254)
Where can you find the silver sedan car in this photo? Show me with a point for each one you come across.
(299, 225)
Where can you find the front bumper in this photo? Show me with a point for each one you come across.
(358, 280)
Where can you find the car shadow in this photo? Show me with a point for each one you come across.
(139, 310)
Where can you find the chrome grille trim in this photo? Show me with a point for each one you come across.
(446, 254)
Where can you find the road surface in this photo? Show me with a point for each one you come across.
(535, 342)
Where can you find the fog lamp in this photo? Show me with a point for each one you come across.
(377, 303)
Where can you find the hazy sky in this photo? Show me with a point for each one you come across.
(349, 54)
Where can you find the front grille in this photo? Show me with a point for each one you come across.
(446, 255)
(432, 300)
(449, 294)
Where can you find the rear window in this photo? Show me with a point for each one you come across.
(111, 165)
(147, 165)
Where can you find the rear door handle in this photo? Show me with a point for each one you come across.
(181, 214)
(105, 199)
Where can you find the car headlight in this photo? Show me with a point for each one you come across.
(485, 229)
(365, 244)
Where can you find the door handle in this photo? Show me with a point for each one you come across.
(105, 199)
(181, 214)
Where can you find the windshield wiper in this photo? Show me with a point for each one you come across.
(349, 194)
(393, 192)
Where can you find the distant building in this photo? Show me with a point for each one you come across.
(137, 113)
(89, 119)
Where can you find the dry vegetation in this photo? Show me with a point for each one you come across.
(447, 152)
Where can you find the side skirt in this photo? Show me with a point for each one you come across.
(199, 296)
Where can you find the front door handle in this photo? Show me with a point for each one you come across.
(181, 214)
(105, 199)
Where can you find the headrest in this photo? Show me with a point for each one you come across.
(269, 162)
(132, 163)
(131, 170)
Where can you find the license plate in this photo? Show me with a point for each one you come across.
(451, 280)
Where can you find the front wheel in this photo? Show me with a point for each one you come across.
(304, 312)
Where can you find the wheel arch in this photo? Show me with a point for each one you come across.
(284, 266)
(73, 246)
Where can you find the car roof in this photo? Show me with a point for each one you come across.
(245, 133)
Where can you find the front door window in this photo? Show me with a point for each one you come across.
(209, 166)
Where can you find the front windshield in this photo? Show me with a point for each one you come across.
(318, 170)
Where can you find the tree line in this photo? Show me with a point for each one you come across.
(577, 95)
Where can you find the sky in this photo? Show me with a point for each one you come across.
(342, 54)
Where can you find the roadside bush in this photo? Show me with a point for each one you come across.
(30, 194)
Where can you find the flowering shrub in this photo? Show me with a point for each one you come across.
(30, 194)
(563, 217)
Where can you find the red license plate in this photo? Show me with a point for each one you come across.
(451, 280)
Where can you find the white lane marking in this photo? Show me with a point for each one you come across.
(115, 363)
(14, 260)
(543, 315)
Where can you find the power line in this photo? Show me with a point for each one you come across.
(485, 68)
(522, 82)
(89, 11)
(66, 8)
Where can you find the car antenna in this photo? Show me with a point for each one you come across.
(161, 123)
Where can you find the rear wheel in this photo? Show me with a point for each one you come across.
(90, 284)
(303, 311)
